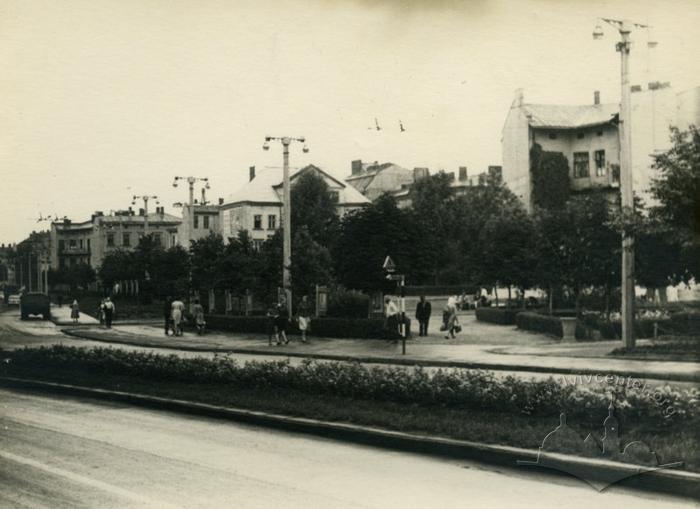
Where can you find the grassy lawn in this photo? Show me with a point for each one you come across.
(671, 441)
(674, 348)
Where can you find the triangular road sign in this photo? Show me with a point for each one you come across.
(389, 264)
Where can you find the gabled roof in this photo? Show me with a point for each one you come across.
(266, 187)
(570, 116)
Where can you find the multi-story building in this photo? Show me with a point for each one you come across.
(257, 206)
(198, 221)
(373, 180)
(89, 242)
(7, 269)
(32, 262)
(587, 135)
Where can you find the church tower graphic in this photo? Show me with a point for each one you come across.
(598, 461)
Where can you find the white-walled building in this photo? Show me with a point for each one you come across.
(587, 135)
(257, 206)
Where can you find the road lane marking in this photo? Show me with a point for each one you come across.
(93, 483)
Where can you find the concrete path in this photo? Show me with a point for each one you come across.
(61, 316)
(479, 346)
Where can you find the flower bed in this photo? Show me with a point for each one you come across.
(505, 316)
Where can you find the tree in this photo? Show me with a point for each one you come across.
(678, 191)
(368, 236)
(311, 264)
(313, 208)
(206, 255)
(508, 250)
(117, 265)
(549, 172)
(240, 264)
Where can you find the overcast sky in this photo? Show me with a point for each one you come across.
(103, 99)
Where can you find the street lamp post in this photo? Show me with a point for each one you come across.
(191, 182)
(145, 199)
(626, 182)
(287, 213)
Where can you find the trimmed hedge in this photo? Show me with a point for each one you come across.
(438, 290)
(685, 323)
(361, 328)
(499, 316)
(539, 323)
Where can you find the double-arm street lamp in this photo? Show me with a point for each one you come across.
(191, 182)
(287, 214)
(625, 27)
(145, 198)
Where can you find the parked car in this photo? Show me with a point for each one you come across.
(13, 300)
(35, 304)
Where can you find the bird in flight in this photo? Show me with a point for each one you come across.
(376, 125)
(401, 126)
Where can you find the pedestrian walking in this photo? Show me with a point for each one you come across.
(176, 314)
(110, 309)
(449, 318)
(101, 312)
(271, 316)
(304, 316)
(167, 312)
(198, 313)
(423, 311)
(391, 322)
(281, 321)
(75, 311)
(60, 300)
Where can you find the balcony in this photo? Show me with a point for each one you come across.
(75, 251)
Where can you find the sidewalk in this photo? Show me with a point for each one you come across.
(504, 351)
(61, 316)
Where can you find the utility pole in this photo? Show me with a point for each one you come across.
(287, 214)
(624, 28)
(191, 182)
(145, 199)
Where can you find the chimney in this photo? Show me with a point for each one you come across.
(519, 98)
(596, 97)
(636, 88)
(356, 167)
(251, 173)
(221, 201)
(462, 173)
(420, 173)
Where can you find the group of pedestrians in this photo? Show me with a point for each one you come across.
(450, 322)
(278, 321)
(174, 316)
(105, 312)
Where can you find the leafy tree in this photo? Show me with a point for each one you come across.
(117, 265)
(678, 191)
(549, 172)
(311, 264)
(508, 250)
(313, 208)
(206, 255)
(240, 264)
(367, 237)
(76, 276)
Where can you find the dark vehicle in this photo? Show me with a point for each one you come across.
(34, 304)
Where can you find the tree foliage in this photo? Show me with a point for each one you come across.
(549, 172)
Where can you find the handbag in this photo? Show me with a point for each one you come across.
(458, 328)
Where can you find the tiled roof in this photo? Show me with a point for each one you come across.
(264, 188)
(568, 116)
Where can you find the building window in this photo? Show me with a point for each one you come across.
(157, 238)
(126, 239)
(80, 243)
(257, 244)
(196, 221)
(257, 222)
(271, 222)
(600, 133)
(581, 165)
(205, 222)
(335, 196)
(61, 245)
(71, 243)
(552, 136)
(110, 240)
(61, 262)
(88, 244)
(599, 156)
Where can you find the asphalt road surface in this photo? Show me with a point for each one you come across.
(61, 452)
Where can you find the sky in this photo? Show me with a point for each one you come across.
(101, 100)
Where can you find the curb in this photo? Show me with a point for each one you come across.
(675, 482)
(675, 377)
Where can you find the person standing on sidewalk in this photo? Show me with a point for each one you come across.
(423, 311)
(198, 313)
(75, 311)
(167, 310)
(109, 312)
(391, 324)
(304, 315)
(178, 308)
(281, 321)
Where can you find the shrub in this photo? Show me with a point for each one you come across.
(348, 304)
(361, 328)
(685, 323)
(497, 315)
(415, 386)
(539, 323)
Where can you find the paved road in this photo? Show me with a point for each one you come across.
(72, 453)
